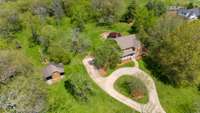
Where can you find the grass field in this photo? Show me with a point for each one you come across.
(62, 102)
(174, 100)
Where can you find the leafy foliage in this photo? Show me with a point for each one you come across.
(24, 94)
(106, 11)
(10, 24)
(78, 43)
(13, 64)
(180, 67)
(107, 55)
(129, 85)
(58, 55)
(20, 91)
(79, 89)
(158, 7)
(131, 12)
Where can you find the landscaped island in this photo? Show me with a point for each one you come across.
(133, 88)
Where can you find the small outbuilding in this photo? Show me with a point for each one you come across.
(53, 73)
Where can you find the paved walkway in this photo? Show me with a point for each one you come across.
(107, 84)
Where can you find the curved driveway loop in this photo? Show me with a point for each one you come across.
(107, 84)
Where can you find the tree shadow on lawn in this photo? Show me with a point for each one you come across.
(157, 71)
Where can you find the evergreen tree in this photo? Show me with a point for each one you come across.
(131, 12)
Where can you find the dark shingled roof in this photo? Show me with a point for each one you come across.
(51, 68)
(188, 12)
(126, 42)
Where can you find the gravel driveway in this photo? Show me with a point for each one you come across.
(107, 84)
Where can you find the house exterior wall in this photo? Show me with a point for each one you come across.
(56, 76)
(137, 54)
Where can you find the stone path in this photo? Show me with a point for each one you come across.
(107, 84)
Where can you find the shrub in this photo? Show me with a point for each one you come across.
(79, 89)
(58, 55)
(198, 87)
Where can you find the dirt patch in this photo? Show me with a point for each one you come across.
(103, 72)
(137, 94)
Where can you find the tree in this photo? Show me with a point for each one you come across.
(131, 12)
(40, 8)
(106, 11)
(177, 54)
(190, 5)
(80, 89)
(78, 43)
(154, 36)
(107, 55)
(20, 90)
(57, 9)
(10, 24)
(158, 7)
(12, 64)
(78, 22)
(24, 94)
(58, 55)
(143, 19)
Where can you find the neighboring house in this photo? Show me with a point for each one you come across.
(53, 73)
(191, 14)
(130, 46)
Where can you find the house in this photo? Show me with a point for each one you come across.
(191, 14)
(131, 47)
(53, 73)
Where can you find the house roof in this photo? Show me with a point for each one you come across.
(189, 12)
(126, 42)
(51, 68)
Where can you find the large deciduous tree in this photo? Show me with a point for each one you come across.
(107, 55)
(10, 23)
(177, 51)
(21, 91)
(106, 11)
(12, 64)
(158, 7)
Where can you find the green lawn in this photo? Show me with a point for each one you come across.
(100, 102)
(174, 100)
(121, 86)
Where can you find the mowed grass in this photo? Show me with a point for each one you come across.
(63, 102)
(173, 99)
(59, 99)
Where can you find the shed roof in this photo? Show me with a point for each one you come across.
(51, 68)
(126, 42)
